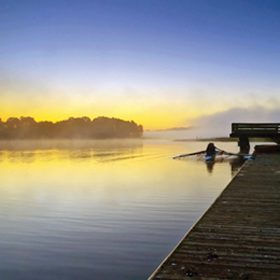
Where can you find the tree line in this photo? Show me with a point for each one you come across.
(84, 127)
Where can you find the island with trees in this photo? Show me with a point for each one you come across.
(73, 128)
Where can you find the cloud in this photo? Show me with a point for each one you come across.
(219, 124)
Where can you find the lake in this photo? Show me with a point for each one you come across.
(100, 209)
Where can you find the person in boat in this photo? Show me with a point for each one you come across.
(210, 150)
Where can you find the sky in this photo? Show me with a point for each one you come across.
(160, 63)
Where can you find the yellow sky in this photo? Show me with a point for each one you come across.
(156, 113)
(153, 108)
(151, 117)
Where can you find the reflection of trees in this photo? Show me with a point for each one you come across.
(101, 127)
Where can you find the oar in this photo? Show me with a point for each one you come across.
(191, 154)
(232, 154)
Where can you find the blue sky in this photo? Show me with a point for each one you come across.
(138, 58)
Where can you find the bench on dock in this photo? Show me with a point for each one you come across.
(264, 130)
(244, 131)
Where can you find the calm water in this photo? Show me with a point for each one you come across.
(99, 209)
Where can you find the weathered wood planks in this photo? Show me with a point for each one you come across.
(239, 236)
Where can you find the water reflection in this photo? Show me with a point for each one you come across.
(234, 163)
(210, 165)
(98, 210)
(99, 150)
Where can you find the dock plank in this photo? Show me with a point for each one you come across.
(239, 235)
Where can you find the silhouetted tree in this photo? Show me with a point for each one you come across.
(84, 127)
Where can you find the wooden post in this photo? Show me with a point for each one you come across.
(244, 144)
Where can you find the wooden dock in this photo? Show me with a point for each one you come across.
(239, 235)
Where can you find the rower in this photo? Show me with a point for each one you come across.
(210, 150)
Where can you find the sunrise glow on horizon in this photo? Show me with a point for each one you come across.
(160, 63)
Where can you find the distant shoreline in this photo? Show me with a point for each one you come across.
(72, 128)
(182, 128)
